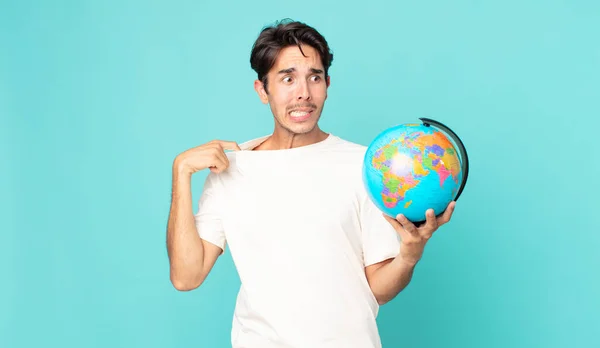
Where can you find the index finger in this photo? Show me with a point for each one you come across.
(228, 145)
(407, 225)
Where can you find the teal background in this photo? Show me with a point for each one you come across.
(97, 98)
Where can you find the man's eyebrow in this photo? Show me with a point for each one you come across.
(287, 71)
(291, 70)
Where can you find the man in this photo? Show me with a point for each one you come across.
(315, 257)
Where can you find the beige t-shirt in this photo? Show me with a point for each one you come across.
(300, 229)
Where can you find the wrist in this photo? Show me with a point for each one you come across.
(410, 254)
(406, 262)
(180, 169)
(402, 264)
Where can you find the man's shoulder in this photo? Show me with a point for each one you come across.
(347, 142)
(348, 146)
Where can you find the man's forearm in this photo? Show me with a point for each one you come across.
(388, 280)
(393, 276)
(184, 246)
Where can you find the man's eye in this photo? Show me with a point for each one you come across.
(287, 79)
(316, 78)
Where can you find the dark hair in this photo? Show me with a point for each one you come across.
(274, 38)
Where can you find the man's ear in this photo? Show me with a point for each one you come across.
(259, 87)
(328, 81)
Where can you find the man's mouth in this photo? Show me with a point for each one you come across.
(299, 115)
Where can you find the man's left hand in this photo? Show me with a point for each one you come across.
(414, 238)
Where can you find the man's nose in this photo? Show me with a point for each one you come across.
(303, 91)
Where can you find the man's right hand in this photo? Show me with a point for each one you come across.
(210, 155)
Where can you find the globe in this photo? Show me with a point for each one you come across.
(413, 167)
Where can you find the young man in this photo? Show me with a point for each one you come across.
(315, 257)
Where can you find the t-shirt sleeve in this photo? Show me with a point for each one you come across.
(208, 218)
(380, 240)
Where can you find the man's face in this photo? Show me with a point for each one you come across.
(297, 89)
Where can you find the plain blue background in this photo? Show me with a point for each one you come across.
(98, 97)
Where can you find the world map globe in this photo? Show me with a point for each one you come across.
(412, 167)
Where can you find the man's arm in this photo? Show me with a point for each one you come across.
(190, 258)
(389, 277)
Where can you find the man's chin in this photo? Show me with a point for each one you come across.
(300, 128)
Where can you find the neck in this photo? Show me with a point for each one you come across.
(283, 139)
